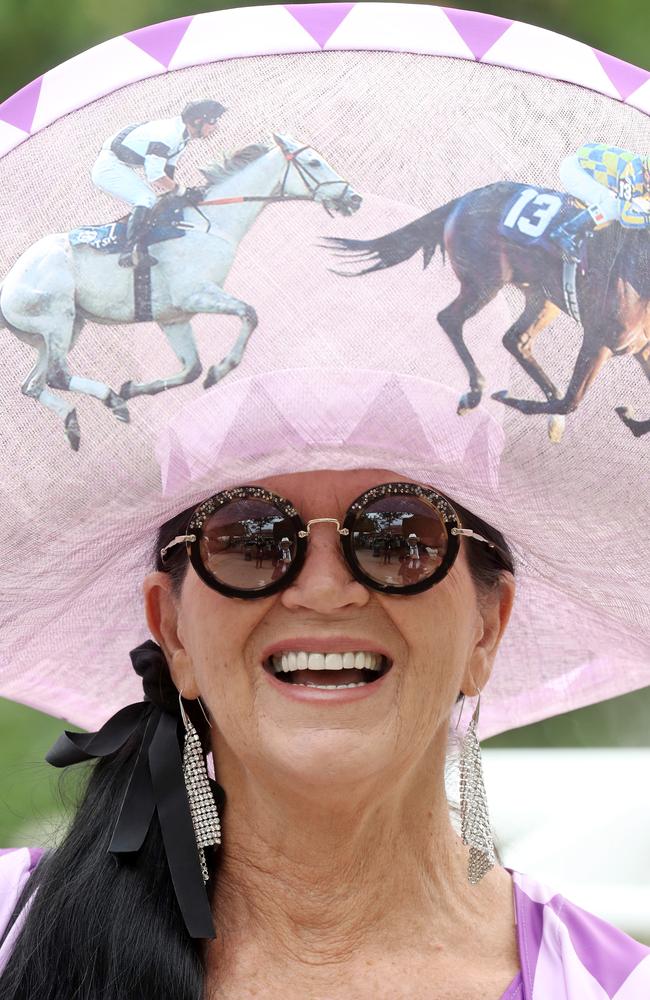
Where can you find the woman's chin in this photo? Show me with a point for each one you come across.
(322, 759)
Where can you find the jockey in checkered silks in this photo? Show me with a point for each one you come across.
(614, 184)
(154, 147)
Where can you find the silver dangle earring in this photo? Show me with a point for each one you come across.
(203, 808)
(474, 820)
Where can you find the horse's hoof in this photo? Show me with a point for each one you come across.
(72, 430)
(215, 374)
(556, 427)
(638, 427)
(502, 397)
(117, 406)
(468, 401)
(126, 390)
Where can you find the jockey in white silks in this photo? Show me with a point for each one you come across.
(155, 147)
(614, 183)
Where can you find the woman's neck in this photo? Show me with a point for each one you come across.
(326, 876)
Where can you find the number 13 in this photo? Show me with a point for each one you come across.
(535, 223)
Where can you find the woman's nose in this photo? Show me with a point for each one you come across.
(325, 581)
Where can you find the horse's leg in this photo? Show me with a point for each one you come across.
(471, 300)
(589, 362)
(181, 340)
(518, 340)
(34, 387)
(638, 427)
(39, 307)
(59, 374)
(213, 299)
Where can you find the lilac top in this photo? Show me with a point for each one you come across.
(565, 953)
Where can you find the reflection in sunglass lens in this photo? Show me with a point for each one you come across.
(399, 540)
(248, 544)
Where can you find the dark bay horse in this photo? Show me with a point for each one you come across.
(612, 287)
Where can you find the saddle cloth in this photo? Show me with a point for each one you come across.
(533, 213)
(110, 237)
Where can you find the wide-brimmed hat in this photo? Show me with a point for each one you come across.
(418, 241)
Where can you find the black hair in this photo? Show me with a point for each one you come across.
(98, 927)
(103, 929)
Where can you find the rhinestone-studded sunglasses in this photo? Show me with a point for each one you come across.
(397, 538)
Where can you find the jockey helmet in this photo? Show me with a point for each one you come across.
(202, 111)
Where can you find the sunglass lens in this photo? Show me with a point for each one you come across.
(248, 544)
(399, 541)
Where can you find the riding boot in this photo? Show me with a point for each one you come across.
(570, 235)
(136, 227)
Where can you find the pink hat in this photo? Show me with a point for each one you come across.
(361, 142)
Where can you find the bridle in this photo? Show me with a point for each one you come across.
(305, 175)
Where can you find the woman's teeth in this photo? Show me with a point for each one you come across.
(326, 661)
(296, 665)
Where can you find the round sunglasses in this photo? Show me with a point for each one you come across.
(397, 538)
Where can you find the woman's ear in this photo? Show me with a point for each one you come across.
(494, 609)
(162, 609)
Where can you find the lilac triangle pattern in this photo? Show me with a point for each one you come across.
(320, 19)
(19, 110)
(174, 467)
(161, 40)
(478, 31)
(625, 77)
(615, 956)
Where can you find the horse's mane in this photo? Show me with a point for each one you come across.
(216, 173)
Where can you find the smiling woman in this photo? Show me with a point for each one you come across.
(324, 778)
(319, 560)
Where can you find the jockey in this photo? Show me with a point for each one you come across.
(155, 146)
(614, 183)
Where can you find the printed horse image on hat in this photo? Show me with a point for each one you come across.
(509, 233)
(67, 279)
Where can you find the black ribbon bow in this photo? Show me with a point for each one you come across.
(156, 783)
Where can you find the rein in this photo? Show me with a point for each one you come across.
(254, 197)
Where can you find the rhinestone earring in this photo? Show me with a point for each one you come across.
(474, 820)
(203, 808)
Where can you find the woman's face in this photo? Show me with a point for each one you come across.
(440, 642)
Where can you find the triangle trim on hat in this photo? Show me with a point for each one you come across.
(161, 40)
(320, 19)
(191, 40)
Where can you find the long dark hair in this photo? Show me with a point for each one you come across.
(99, 929)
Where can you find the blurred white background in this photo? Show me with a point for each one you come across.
(578, 820)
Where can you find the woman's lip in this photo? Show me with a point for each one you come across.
(299, 692)
(331, 644)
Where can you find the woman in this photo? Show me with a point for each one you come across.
(329, 785)
(272, 818)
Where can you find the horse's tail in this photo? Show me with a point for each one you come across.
(425, 233)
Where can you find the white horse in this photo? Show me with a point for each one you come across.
(54, 287)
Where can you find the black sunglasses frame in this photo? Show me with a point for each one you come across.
(438, 503)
